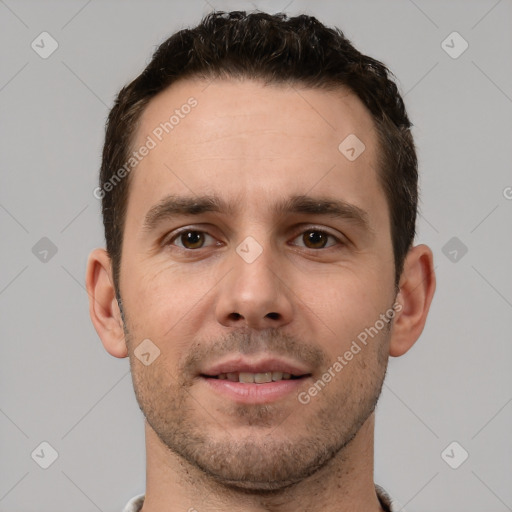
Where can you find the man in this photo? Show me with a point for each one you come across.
(259, 191)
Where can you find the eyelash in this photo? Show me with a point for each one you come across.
(176, 235)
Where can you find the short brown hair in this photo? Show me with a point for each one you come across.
(276, 49)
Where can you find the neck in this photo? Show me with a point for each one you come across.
(343, 484)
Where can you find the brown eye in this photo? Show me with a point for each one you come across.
(317, 239)
(194, 238)
(190, 239)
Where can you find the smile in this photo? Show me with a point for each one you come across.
(258, 378)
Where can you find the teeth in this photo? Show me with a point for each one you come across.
(260, 378)
(251, 378)
(246, 377)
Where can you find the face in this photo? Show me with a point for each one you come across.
(282, 266)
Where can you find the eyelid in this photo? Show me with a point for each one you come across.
(170, 237)
(303, 228)
(340, 239)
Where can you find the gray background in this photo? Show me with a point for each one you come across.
(58, 384)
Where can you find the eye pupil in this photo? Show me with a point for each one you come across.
(316, 237)
(191, 237)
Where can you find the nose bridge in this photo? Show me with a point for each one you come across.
(254, 293)
(255, 267)
(254, 262)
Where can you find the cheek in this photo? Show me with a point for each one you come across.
(344, 305)
(160, 302)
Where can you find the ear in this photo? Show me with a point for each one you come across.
(417, 286)
(103, 307)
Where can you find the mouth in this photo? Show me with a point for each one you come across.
(255, 378)
(251, 382)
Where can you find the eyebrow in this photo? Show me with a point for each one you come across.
(173, 206)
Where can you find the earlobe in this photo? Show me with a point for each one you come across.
(103, 307)
(417, 287)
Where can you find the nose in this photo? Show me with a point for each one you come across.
(254, 294)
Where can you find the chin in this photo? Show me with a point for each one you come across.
(254, 486)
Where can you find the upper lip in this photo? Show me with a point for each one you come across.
(268, 364)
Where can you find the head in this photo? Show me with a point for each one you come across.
(292, 249)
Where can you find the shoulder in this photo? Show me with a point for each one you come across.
(135, 504)
(384, 499)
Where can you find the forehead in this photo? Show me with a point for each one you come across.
(228, 105)
(245, 139)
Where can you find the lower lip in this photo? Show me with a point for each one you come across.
(254, 393)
